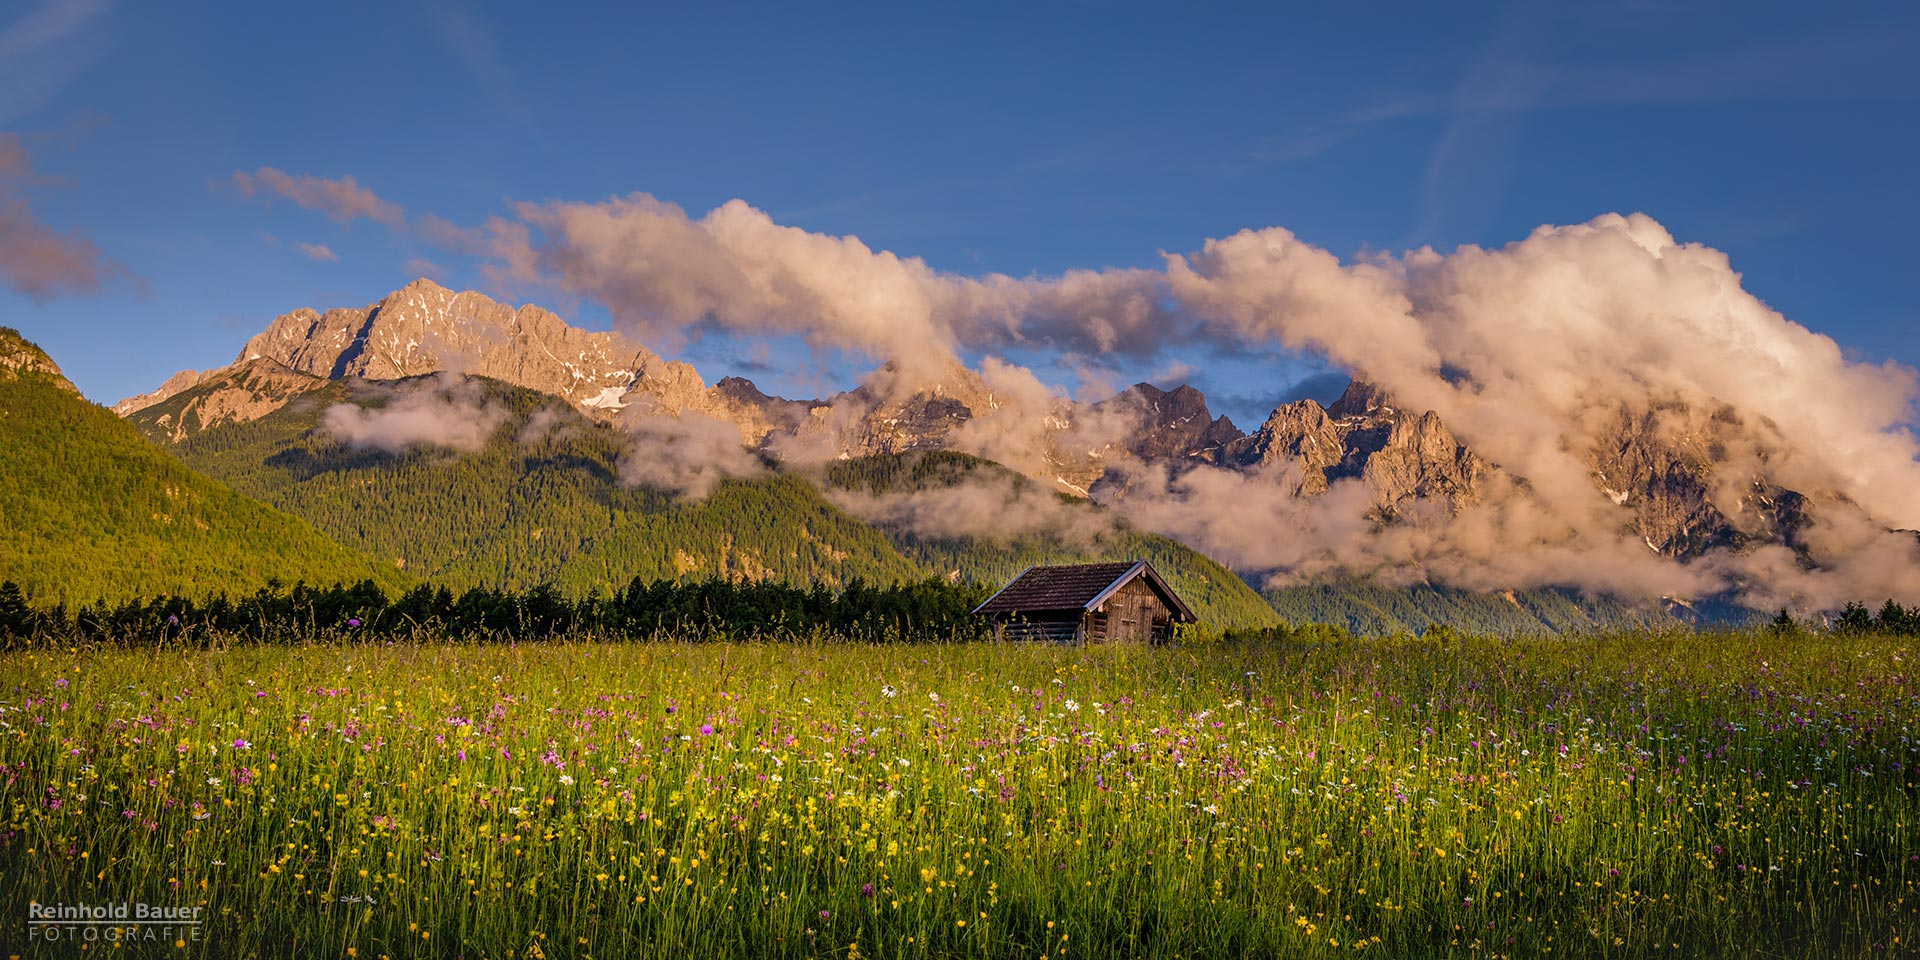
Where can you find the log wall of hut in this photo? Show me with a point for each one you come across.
(1061, 627)
(1133, 614)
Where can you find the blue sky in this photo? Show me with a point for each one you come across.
(1023, 139)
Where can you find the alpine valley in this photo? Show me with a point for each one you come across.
(444, 436)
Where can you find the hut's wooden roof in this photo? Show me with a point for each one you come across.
(1080, 586)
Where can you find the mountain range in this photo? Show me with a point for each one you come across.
(1657, 462)
(455, 437)
(424, 328)
(546, 496)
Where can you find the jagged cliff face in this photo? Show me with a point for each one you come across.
(958, 410)
(425, 328)
(1298, 433)
(1173, 426)
(1685, 481)
(757, 414)
(1399, 454)
(1673, 470)
(890, 419)
(172, 386)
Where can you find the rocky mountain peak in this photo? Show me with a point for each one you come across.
(1182, 404)
(757, 413)
(1300, 432)
(1659, 461)
(178, 383)
(741, 390)
(1400, 455)
(1172, 425)
(896, 386)
(425, 328)
(895, 411)
(1362, 398)
(20, 356)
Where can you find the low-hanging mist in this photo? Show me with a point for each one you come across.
(440, 411)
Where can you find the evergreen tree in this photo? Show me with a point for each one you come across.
(1854, 619)
(16, 618)
(1897, 619)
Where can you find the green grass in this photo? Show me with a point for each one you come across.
(1672, 795)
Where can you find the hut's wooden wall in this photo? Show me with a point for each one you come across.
(1134, 614)
(1054, 628)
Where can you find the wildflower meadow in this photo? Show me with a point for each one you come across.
(1672, 795)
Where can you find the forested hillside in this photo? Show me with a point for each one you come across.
(92, 511)
(539, 501)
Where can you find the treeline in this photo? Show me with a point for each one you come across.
(713, 609)
(1892, 618)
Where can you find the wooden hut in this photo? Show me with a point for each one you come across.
(1087, 603)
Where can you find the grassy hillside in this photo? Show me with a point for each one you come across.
(1219, 597)
(540, 501)
(93, 511)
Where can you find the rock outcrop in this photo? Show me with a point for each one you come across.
(19, 355)
(245, 391)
